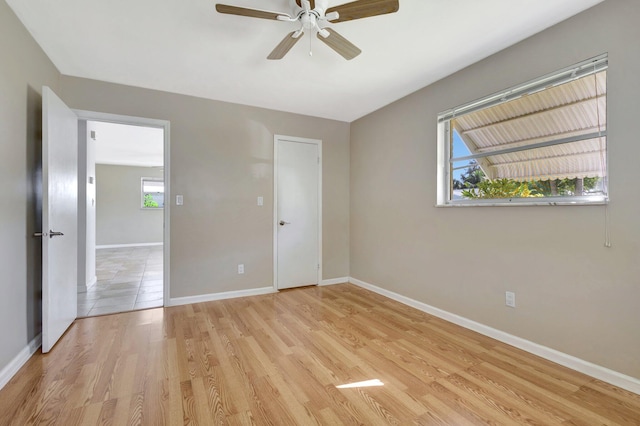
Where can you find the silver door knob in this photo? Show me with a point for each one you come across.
(55, 234)
(282, 223)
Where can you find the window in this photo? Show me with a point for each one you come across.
(542, 142)
(152, 193)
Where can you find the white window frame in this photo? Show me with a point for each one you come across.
(444, 129)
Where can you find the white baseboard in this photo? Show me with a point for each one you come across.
(333, 281)
(86, 287)
(105, 246)
(93, 281)
(623, 381)
(177, 301)
(16, 363)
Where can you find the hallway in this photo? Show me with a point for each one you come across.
(129, 278)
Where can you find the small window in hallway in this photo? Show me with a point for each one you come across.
(152, 193)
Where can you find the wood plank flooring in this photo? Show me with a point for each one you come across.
(277, 359)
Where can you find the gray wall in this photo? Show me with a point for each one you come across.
(119, 218)
(24, 70)
(221, 161)
(573, 294)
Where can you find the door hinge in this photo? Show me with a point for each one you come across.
(318, 160)
(318, 266)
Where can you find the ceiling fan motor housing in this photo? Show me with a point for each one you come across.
(309, 20)
(319, 6)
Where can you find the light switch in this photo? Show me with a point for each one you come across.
(179, 200)
(260, 201)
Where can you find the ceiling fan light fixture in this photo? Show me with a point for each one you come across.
(315, 15)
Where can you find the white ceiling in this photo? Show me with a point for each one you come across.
(187, 47)
(123, 144)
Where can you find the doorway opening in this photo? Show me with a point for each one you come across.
(122, 208)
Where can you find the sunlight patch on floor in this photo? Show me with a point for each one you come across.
(365, 384)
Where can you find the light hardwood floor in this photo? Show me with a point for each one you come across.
(277, 359)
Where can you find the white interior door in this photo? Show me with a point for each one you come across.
(59, 218)
(297, 212)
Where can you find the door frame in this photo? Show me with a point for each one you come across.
(84, 115)
(318, 142)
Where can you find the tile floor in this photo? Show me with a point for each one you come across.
(129, 279)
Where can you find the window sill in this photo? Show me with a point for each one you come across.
(526, 204)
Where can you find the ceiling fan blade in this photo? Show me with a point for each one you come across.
(252, 13)
(340, 44)
(285, 45)
(364, 9)
(313, 3)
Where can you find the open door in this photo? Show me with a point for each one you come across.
(59, 218)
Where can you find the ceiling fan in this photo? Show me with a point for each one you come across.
(314, 16)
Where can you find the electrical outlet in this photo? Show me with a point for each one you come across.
(510, 299)
(260, 201)
(241, 268)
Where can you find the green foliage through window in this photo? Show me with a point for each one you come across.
(475, 185)
(149, 202)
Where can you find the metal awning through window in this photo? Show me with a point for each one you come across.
(557, 132)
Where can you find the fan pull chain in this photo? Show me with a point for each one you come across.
(310, 38)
